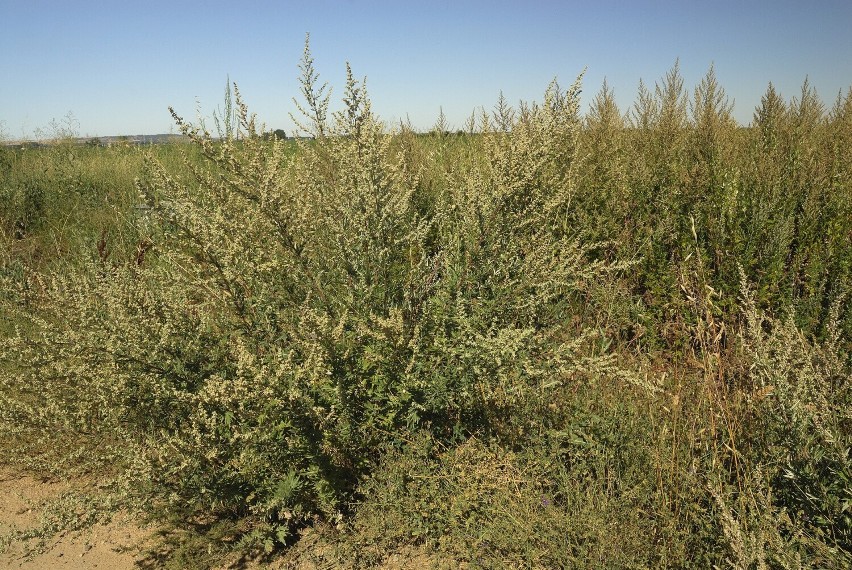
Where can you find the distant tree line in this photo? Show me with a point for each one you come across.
(280, 134)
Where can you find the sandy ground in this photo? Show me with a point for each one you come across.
(119, 545)
(115, 546)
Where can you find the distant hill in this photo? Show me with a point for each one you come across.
(141, 139)
(111, 140)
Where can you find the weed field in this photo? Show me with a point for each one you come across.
(554, 339)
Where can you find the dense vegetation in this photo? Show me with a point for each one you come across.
(556, 340)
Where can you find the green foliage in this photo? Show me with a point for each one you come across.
(280, 134)
(517, 346)
(490, 508)
(801, 409)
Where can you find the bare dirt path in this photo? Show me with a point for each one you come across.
(115, 546)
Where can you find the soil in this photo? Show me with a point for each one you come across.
(120, 545)
(115, 546)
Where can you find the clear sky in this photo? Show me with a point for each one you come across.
(118, 64)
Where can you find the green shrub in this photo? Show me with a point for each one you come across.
(300, 311)
(801, 396)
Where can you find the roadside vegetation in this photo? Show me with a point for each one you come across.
(555, 339)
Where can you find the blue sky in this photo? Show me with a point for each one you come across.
(117, 65)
